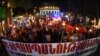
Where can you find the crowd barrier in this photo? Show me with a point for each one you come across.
(80, 48)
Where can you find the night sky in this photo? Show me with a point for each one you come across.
(86, 7)
(63, 4)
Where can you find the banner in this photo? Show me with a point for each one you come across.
(81, 48)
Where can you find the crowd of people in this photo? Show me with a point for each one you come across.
(50, 31)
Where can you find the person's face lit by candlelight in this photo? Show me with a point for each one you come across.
(48, 38)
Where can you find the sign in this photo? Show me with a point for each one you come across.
(81, 48)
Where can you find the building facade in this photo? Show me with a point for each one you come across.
(49, 10)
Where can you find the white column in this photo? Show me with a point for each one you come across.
(44, 12)
(40, 12)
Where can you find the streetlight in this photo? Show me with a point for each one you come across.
(8, 5)
(3, 2)
(9, 10)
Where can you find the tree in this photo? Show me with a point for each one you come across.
(2, 16)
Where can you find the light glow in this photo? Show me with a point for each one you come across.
(77, 28)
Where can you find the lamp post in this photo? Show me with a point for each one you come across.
(9, 17)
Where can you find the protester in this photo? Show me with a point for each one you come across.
(49, 31)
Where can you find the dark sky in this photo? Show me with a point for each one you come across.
(62, 3)
(87, 7)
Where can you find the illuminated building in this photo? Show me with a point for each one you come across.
(47, 10)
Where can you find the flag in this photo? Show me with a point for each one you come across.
(69, 28)
(80, 30)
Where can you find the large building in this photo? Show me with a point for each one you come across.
(49, 10)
